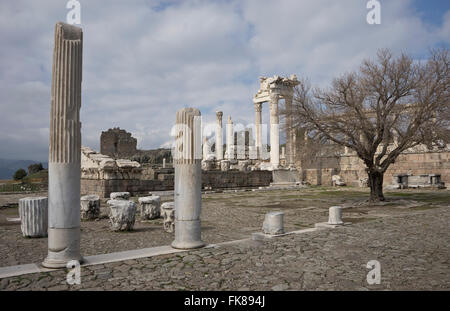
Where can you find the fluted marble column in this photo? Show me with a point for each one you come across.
(289, 133)
(274, 132)
(294, 143)
(205, 149)
(219, 133)
(230, 140)
(65, 148)
(188, 180)
(33, 212)
(258, 121)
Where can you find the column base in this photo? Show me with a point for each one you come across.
(187, 234)
(63, 247)
(55, 263)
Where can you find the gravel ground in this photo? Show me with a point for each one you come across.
(225, 217)
(413, 250)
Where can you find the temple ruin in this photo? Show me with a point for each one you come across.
(244, 159)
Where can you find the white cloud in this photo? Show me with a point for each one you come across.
(144, 60)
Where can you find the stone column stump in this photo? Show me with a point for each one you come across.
(150, 207)
(168, 214)
(122, 215)
(33, 214)
(335, 215)
(119, 195)
(90, 207)
(273, 223)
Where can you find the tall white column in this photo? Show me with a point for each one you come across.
(230, 140)
(290, 161)
(65, 148)
(188, 180)
(274, 132)
(205, 151)
(294, 142)
(258, 121)
(395, 137)
(219, 135)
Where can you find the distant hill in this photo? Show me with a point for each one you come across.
(9, 166)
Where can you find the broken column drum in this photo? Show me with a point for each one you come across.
(119, 195)
(90, 206)
(150, 207)
(64, 165)
(188, 179)
(33, 214)
(274, 223)
(122, 215)
(335, 215)
(167, 213)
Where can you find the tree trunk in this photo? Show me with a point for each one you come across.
(376, 186)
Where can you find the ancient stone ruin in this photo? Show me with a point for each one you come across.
(117, 143)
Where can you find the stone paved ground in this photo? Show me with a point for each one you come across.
(413, 250)
(225, 217)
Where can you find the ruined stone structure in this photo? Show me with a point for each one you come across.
(351, 169)
(102, 175)
(272, 90)
(117, 143)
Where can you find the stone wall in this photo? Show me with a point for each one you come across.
(103, 187)
(117, 143)
(352, 169)
(235, 179)
(165, 181)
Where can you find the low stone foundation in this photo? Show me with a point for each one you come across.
(213, 179)
(103, 187)
(236, 179)
(351, 169)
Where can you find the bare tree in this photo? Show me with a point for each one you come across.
(386, 107)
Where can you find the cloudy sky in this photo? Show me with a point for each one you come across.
(144, 60)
